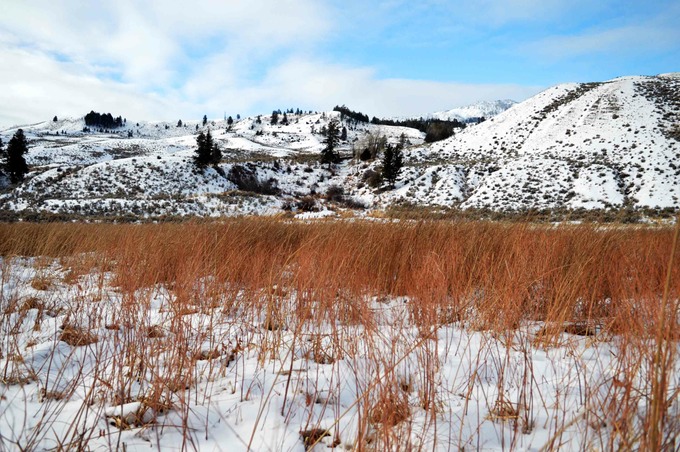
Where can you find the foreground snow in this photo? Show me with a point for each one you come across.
(84, 361)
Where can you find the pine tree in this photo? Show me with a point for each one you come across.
(215, 155)
(204, 149)
(393, 161)
(16, 164)
(328, 154)
(275, 118)
(205, 119)
(230, 121)
(343, 135)
(55, 119)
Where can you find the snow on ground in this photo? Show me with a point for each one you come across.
(83, 361)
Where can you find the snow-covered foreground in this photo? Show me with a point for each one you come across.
(87, 363)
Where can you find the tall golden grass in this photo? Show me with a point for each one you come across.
(614, 276)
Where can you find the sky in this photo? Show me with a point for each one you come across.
(169, 60)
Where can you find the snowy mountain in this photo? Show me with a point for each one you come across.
(484, 109)
(604, 145)
(592, 145)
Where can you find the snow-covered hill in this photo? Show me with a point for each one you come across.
(591, 145)
(608, 145)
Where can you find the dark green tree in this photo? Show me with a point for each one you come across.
(204, 143)
(328, 153)
(55, 119)
(15, 164)
(230, 121)
(343, 135)
(103, 120)
(205, 119)
(275, 118)
(179, 123)
(393, 161)
(215, 154)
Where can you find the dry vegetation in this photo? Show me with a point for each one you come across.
(336, 293)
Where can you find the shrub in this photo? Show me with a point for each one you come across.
(245, 178)
(335, 193)
(373, 178)
(307, 204)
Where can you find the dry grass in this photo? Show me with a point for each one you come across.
(614, 276)
(285, 277)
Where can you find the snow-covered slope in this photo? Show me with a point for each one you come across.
(611, 144)
(576, 145)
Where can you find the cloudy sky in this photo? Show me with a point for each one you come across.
(168, 59)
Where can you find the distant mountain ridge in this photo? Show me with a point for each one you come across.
(483, 109)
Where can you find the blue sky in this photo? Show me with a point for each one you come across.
(166, 59)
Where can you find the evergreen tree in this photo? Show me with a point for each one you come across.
(205, 119)
(179, 123)
(215, 154)
(238, 117)
(393, 161)
(275, 118)
(230, 121)
(15, 163)
(328, 154)
(343, 135)
(55, 119)
(203, 149)
(102, 120)
(284, 121)
(207, 151)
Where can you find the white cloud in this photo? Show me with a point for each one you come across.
(145, 41)
(626, 40)
(320, 85)
(46, 88)
(172, 59)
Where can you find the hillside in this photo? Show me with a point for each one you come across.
(592, 145)
(605, 145)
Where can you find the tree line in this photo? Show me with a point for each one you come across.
(104, 120)
(434, 129)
